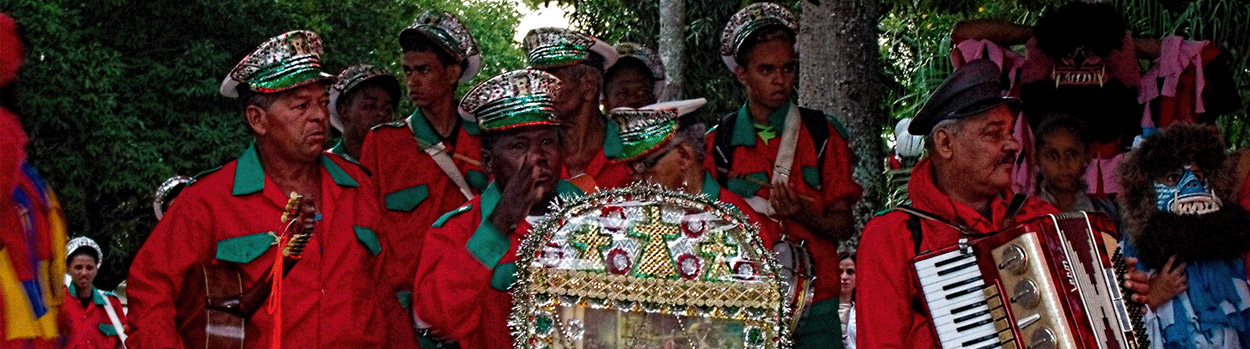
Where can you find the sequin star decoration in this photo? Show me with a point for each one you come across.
(717, 249)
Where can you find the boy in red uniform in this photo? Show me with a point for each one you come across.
(468, 258)
(230, 216)
(791, 164)
(363, 96)
(590, 141)
(87, 319)
(428, 163)
(965, 179)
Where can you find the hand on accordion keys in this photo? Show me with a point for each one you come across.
(1166, 284)
(1137, 281)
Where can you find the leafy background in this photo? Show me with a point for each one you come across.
(120, 94)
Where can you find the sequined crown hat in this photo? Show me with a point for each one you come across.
(83, 241)
(636, 51)
(286, 61)
(557, 47)
(749, 20)
(645, 130)
(445, 30)
(352, 77)
(513, 99)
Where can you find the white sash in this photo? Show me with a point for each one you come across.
(785, 160)
(117, 323)
(438, 152)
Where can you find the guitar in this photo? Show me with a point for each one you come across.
(214, 306)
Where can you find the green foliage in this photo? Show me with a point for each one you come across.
(119, 95)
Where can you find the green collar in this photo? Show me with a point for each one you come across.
(96, 297)
(249, 176)
(423, 131)
(612, 146)
(710, 187)
(489, 244)
(744, 127)
(342, 151)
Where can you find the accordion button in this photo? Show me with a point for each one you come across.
(1013, 259)
(1042, 339)
(1026, 294)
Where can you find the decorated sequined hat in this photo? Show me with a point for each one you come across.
(83, 241)
(352, 77)
(286, 61)
(444, 29)
(750, 20)
(557, 47)
(647, 129)
(513, 99)
(648, 58)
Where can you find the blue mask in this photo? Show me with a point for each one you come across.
(1190, 196)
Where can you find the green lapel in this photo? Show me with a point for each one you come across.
(612, 146)
(249, 176)
(710, 187)
(744, 128)
(422, 129)
(488, 244)
(342, 151)
(95, 294)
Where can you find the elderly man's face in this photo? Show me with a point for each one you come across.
(983, 151)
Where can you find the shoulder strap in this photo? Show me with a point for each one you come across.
(117, 324)
(917, 232)
(1017, 202)
(818, 127)
(722, 151)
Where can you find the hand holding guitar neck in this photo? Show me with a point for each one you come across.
(300, 217)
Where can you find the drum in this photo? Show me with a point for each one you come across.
(796, 276)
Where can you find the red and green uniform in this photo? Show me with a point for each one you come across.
(88, 327)
(828, 182)
(608, 172)
(466, 267)
(227, 216)
(886, 274)
(414, 191)
(770, 232)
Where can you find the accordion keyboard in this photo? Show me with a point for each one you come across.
(967, 312)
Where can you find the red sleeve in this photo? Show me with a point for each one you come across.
(369, 153)
(450, 282)
(121, 314)
(837, 171)
(181, 239)
(709, 162)
(884, 293)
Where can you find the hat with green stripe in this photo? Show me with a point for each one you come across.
(445, 30)
(286, 61)
(648, 129)
(558, 47)
(513, 99)
(750, 20)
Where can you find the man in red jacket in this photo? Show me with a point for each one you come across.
(469, 256)
(966, 179)
(590, 141)
(231, 216)
(807, 185)
(429, 163)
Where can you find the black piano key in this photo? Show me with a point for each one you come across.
(974, 324)
(967, 307)
(972, 264)
(958, 294)
(971, 316)
(954, 259)
(961, 283)
(977, 340)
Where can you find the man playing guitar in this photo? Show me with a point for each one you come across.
(233, 217)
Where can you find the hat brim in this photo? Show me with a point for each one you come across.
(230, 86)
(609, 54)
(925, 126)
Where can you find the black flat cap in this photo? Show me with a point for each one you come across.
(972, 89)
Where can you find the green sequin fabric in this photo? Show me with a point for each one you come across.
(283, 62)
(643, 131)
(513, 99)
(554, 47)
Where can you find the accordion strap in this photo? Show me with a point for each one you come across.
(1013, 208)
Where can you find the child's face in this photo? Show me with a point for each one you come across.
(1061, 161)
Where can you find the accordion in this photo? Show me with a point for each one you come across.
(1046, 283)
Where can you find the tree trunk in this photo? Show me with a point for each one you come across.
(839, 74)
(672, 46)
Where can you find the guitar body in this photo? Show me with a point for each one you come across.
(200, 327)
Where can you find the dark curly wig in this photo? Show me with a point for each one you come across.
(1097, 27)
(1159, 235)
